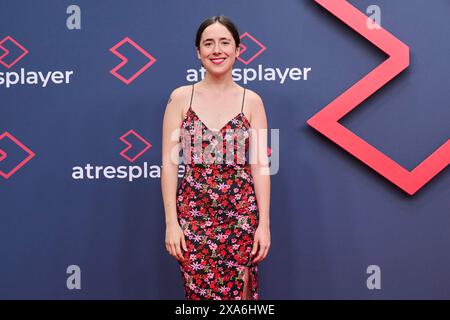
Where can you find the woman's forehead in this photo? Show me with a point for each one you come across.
(216, 31)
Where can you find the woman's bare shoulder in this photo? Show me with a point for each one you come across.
(178, 101)
(253, 96)
(179, 94)
(253, 101)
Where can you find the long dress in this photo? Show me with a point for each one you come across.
(217, 210)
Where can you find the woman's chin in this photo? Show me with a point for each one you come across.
(218, 70)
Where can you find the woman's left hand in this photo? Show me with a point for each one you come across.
(261, 243)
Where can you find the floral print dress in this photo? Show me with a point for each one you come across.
(217, 210)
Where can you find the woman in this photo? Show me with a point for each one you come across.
(217, 219)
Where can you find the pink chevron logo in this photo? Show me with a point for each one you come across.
(3, 155)
(114, 72)
(6, 52)
(244, 48)
(326, 120)
(124, 137)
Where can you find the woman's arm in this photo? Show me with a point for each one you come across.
(259, 163)
(169, 174)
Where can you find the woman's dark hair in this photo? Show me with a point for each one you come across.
(222, 20)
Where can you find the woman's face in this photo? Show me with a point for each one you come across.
(217, 50)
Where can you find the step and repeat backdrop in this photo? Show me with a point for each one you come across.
(357, 102)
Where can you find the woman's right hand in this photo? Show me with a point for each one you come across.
(175, 241)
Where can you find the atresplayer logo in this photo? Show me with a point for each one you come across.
(251, 49)
(137, 146)
(11, 52)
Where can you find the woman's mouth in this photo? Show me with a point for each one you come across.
(217, 60)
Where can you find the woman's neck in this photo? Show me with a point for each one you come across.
(219, 83)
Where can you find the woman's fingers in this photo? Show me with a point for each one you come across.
(172, 250)
(258, 257)
(256, 250)
(255, 247)
(175, 242)
(183, 242)
(168, 248)
(178, 253)
(262, 253)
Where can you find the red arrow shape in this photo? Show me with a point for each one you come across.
(326, 120)
(3, 155)
(124, 137)
(124, 59)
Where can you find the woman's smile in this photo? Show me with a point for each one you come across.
(217, 60)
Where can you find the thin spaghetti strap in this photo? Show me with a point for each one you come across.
(242, 108)
(192, 94)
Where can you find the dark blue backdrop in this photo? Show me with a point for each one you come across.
(331, 216)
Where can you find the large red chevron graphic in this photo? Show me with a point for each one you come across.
(326, 120)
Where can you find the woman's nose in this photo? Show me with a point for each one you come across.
(217, 48)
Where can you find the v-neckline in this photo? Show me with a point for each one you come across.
(220, 130)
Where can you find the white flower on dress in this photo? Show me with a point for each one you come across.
(224, 289)
(197, 238)
(222, 186)
(195, 212)
(196, 158)
(230, 264)
(231, 214)
(198, 185)
(196, 266)
(221, 236)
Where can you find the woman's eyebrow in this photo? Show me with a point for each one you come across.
(211, 39)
